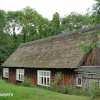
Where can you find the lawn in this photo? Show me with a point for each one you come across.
(34, 93)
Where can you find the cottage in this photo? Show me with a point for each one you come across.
(40, 60)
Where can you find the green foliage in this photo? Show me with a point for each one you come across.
(55, 24)
(70, 90)
(64, 89)
(95, 91)
(52, 86)
(27, 82)
(56, 82)
(34, 26)
(92, 43)
(0, 71)
(74, 21)
(95, 13)
(5, 46)
(84, 46)
(57, 77)
(2, 20)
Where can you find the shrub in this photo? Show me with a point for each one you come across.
(96, 91)
(57, 80)
(27, 82)
(52, 86)
(64, 90)
(57, 77)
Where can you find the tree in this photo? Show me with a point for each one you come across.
(2, 20)
(12, 23)
(93, 19)
(6, 46)
(95, 16)
(34, 26)
(55, 24)
(74, 21)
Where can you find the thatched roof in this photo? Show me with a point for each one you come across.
(58, 51)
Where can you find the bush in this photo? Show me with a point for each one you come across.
(27, 82)
(69, 90)
(64, 90)
(57, 77)
(52, 86)
(95, 91)
(57, 81)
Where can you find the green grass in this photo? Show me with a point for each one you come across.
(29, 93)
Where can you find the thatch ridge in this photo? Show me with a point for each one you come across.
(63, 35)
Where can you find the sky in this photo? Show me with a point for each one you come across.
(48, 7)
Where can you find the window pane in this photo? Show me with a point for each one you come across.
(45, 83)
(79, 81)
(18, 76)
(22, 77)
(22, 70)
(6, 74)
(41, 80)
(44, 73)
(40, 73)
(18, 70)
(48, 81)
(48, 74)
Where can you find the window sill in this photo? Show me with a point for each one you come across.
(79, 85)
(43, 85)
(5, 77)
(20, 80)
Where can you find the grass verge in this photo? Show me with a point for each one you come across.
(29, 93)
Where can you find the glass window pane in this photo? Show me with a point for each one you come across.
(45, 83)
(48, 74)
(79, 81)
(18, 76)
(22, 77)
(44, 73)
(39, 80)
(48, 81)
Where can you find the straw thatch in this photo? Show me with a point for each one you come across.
(58, 51)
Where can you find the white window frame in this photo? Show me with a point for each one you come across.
(6, 72)
(43, 78)
(20, 74)
(77, 82)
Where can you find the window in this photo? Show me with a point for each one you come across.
(79, 82)
(43, 78)
(20, 74)
(5, 72)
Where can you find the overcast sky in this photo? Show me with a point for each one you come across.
(48, 7)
